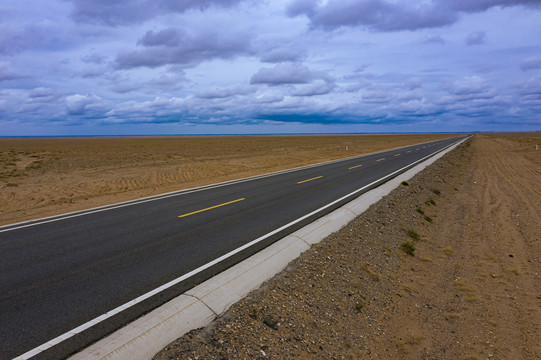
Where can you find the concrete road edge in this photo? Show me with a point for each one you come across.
(144, 337)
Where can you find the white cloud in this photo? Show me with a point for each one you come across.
(78, 104)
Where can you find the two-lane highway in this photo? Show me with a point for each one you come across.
(83, 275)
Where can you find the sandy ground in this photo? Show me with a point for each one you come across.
(43, 177)
(471, 289)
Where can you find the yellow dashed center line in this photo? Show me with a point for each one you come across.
(317, 177)
(212, 207)
(380, 159)
(417, 149)
(353, 167)
(409, 151)
(397, 155)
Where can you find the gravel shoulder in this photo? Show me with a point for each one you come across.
(470, 290)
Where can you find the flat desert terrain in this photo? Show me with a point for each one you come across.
(447, 267)
(49, 176)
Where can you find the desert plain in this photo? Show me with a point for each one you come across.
(447, 266)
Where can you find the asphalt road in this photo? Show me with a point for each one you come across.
(57, 274)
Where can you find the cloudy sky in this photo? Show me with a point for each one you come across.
(90, 67)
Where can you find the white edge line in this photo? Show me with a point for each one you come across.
(81, 328)
(69, 215)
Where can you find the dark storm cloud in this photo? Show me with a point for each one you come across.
(184, 49)
(124, 12)
(384, 15)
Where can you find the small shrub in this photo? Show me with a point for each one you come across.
(430, 202)
(436, 191)
(253, 313)
(11, 185)
(428, 218)
(372, 273)
(408, 248)
(413, 234)
(359, 306)
(420, 211)
(271, 322)
(405, 183)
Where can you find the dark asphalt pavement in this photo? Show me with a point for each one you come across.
(57, 275)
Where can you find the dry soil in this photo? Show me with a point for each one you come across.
(469, 289)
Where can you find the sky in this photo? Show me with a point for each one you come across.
(147, 67)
